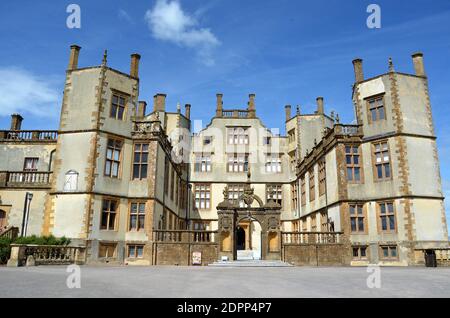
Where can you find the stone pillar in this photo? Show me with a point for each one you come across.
(358, 68)
(134, 67)
(142, 106)
(251, 106)
(226, 233)
(16, 256)
(73, 60)
(187, 112)
(219, 105)
(418, 64)
(320, 108)
(159, 102)
(287, 110)
(16, 122)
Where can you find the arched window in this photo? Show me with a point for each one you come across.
(71, 181)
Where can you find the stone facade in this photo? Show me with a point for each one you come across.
(146, 188)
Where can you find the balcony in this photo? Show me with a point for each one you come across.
(29, 135)
(235, 113)
(25, 179)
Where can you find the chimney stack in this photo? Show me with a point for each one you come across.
(142, 106)
(16, 122)
(219, 105)
(320, 109)
(251, 106)
(159, 102)
(73, 60)
(187, 113)
(134, 68)
(418, 64)
(358, 67)
(287, 110)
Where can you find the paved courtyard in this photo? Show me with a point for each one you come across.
(50, 281)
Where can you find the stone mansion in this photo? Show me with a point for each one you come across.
(135, 185)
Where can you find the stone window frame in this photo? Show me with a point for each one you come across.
(35, 161)
(203, 162)
(303, 190)
(390, 247)
(137, 214)
(294, 196)
(141, 162)
(236, 189)
(237, 134)
(134, 248)
(279, 192)
(379, 216)
(358, 216)
(359, 248)
(352, 165)
(371, 98)
(322, 176)
(112, 160)
(383, 162)
(207, 196)
(106, 245)
(119, 95)
(323, 215)
(274, 162)
(236, 162)
(312, 184)
(109, 211)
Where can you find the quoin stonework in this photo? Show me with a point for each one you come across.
(137, 185)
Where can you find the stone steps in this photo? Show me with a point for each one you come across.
(250, 263)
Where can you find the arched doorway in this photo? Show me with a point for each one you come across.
(2, 219)
(248, 239)
(240, 239)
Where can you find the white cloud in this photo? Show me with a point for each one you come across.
(23, 92)
(168, 22)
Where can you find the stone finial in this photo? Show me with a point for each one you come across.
(298, 109)
(337, 118)
(391, 65)
(105, 58)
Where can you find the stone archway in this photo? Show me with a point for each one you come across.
(267, 216)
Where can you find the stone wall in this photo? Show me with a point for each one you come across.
(317, 254)
(181, 253)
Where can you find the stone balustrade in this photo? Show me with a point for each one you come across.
(28, 135)
(184, 236)
(312, 237)
(46, 255)
(25, 178)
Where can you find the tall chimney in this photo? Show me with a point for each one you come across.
(219, 105)
(358, 67)
(418, 64)
(16, 122)
(187, 113)
(134, 68)
(159, 102)
(320, 109)
(251, 106)
(287, 110)
(73, 60)
(142, 106)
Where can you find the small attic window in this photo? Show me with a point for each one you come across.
(71, 181)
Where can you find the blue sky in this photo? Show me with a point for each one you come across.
(285, 51)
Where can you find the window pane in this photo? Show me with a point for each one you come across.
(104, 222)
(393, 251)
(374, 114)
(380, 171)
(355, 252)
(141, 221)
(353, 223)
(108, 168)
(392, 222)
(361, 224)
(349, 174)
(356, 160)
(381, 112)
(363, 251)
(121, 110)
(136, 172)
(383, 223)
(133, 220)
(112, 218)
(144, 171)
(387, 170)
(357, 174)
(385, 252)
(115, 169)
(349, 159)
(140, 251)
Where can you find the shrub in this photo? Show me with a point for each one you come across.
(4, 249)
